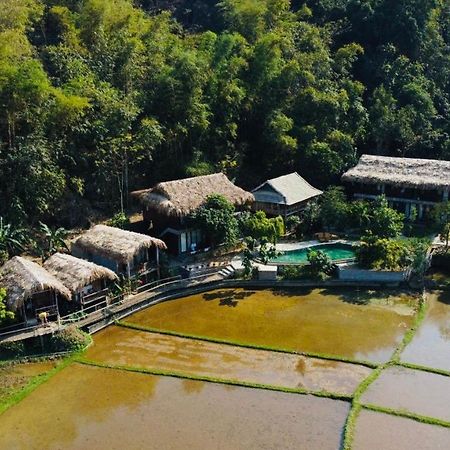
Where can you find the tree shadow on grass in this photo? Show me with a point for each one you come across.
(228, 297)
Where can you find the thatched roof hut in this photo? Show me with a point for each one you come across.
(115, 244)
(23, 278)
(182, 197)
(76, 273)
(427, 174)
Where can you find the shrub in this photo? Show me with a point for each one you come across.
(320, 263)
(260, 227)
(12, 349)
(391, 254)
(68, 340)
(119, 220)
(294, 272)
(217, 220)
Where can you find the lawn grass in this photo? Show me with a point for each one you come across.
(245, 345)
(230, 382)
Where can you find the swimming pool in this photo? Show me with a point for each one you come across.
(300, 256)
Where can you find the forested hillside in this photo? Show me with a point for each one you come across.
(99, 97)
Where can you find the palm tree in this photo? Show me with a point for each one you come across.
(54, 240)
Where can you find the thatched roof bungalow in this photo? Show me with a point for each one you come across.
(408, 183)
(81, 277)
(285, 195)
(182, 197)
(121, 251)
(168, 204)
(31, 288)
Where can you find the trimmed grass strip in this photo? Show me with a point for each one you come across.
(407, 415)
(409, 335)
(36, 381)
(350, 424)
(231, 382)
(446, 373)
(244, 345)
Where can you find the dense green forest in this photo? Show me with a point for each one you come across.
(99, 97)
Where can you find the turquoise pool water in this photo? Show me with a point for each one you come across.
(334, 251)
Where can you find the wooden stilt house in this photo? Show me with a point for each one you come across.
(31, 289)
(87, 282)
(123, 252)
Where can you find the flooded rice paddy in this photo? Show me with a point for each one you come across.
(431, 344)
(122, 346)
(363, 325)
(402, 389)
(17, 376)
(376, 431)
(86, 407)
(83, 406)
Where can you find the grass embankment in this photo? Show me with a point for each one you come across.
(14, 396)
(229, 382)
(244, 345)
(407, 415)
(357, 405)
(445, 373)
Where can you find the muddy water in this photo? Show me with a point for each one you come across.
(354, 324)
(14, 377)
(122, 346)
(431, 344)
(376, 431)
(415, 391)
(85, 407)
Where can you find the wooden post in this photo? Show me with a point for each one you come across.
(57, 308)
(24, 313)
(128, 270)
(158, 272)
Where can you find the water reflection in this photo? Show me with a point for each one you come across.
(85, 407)
(318, 320)
(122, 346)
(431, 344)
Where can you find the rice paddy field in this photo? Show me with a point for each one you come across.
(244, 369)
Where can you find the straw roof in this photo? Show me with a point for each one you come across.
(403, 172)
(23, 278)
(182, 197)
(116, 244)
(75, 273)
(292, 188)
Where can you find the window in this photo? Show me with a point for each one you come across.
(183, 243)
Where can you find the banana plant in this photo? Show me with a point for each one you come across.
(12, 240)
(54, 240)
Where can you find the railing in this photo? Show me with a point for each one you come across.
(117, 304)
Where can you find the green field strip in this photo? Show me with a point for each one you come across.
(407, 415)
(244, 345)
(209, 379)
(420, 368)
(409, 335)
(37, 380)
(350, 424)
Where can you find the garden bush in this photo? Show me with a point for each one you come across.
(68, 340)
